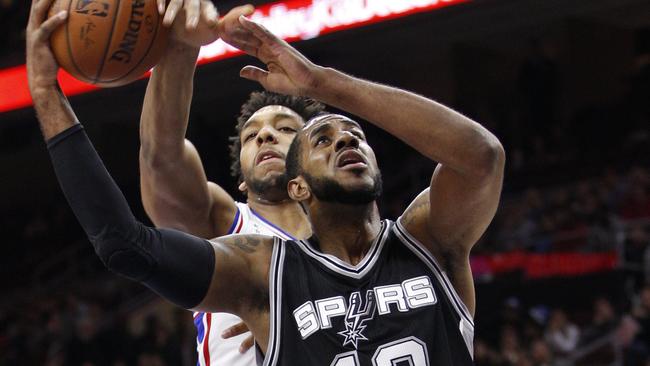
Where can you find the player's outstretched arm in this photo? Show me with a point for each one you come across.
(453, 213)
(175, 189)
(178, 266)
(189, 271)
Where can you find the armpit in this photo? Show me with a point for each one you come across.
(248, 244)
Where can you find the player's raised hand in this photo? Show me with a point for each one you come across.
(193, 11)
(289, 71)
(203, 32)
(230, 29)
(206, 32)
(41, 65)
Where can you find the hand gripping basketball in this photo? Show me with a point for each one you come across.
(108, 42)
(210, 27)
(41, 66)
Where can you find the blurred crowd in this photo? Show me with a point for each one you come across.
(596, 214)
(105, 321)
(543, 336)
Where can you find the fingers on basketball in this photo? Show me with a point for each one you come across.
(39, 11)
(209, 13)
(172, 9)
(50, 25)
(192, 8)
(244, 10)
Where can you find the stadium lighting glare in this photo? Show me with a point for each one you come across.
(291, 20)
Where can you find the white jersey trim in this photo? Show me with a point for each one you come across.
(466, 324)
(424, 254)
(337, 265)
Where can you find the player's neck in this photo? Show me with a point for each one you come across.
(285, 214)
(346, 231)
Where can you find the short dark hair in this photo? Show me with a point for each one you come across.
(304, 107)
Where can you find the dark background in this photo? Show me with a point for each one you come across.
(563, 84)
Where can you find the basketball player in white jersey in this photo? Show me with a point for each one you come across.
(176, 193)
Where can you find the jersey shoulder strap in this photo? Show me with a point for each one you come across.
(466, 320)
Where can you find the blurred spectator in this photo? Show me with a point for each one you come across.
(540, 353)
(603, 322)
(86, 347)
(562, 335)
(637, 244)
(646, 260)
(484, 355)
(636, 203)
(641, 314)
(634, 334)
(511, 352)
(159, 342)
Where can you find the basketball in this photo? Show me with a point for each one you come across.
(108, 42)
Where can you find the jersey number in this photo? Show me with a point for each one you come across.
(410, 350)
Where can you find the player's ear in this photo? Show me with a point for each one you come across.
(298, 189)
(243, 188)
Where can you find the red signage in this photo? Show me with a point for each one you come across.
(535, 265)
(291, 20)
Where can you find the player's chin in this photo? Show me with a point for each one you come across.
(274, 166)
(271, 176)
(354, 182)
(270, 172)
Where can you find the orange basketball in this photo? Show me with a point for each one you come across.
(108, 42)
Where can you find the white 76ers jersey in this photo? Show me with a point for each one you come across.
(212, 349)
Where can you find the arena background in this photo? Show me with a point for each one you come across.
(560, 274)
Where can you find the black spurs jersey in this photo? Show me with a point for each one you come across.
(396, 307)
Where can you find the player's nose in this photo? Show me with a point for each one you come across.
(266, 135)
(346, 139)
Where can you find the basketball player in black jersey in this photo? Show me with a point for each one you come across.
(361, 291)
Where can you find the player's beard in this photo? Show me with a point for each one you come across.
(272, 189)
(329, 190)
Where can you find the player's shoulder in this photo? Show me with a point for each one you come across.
(249, 221)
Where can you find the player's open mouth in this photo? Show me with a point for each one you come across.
(351, 159)
(268, 156)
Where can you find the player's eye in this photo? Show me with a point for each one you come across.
(250, 136)
(287, 129)
(321, 140)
